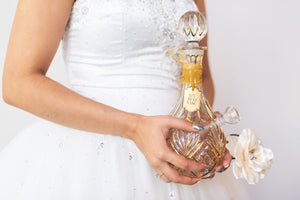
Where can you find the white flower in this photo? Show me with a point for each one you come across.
(252, 159)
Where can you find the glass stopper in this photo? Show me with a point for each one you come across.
(230, 116)
(192, 26)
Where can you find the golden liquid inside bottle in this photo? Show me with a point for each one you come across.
(206, 146)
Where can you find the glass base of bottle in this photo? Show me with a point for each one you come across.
(206, 147)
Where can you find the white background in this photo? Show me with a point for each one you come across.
(254, 51)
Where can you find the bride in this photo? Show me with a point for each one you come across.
(105, 137)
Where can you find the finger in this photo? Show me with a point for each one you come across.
(162, 176)
(220, 168)
(225, 164)
(173, 175)
(218, 114)
(227, 160)
(182, 162)
(211, 176)
(165, 178)
(181, 124)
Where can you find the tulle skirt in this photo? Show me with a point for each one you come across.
(52, 162)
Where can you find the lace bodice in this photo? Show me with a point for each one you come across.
(123, 43)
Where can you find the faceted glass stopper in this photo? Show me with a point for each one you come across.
(192, 26)
(230, 116)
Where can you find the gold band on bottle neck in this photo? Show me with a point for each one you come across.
(192, 75)
(191, 64)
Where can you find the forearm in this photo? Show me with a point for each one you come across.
(35, 36)
(208, 85)
(52, 101)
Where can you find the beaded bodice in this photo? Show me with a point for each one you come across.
(123, 43)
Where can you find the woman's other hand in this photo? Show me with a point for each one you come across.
(227, 157)
(150, 137)
(226, 162)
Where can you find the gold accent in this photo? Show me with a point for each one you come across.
(170, 51)
(191, 67)
(192, 75)
(210, 110)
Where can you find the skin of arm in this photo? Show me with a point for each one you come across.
(35, 36)
(208, 86)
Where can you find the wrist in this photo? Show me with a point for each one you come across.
(132, 123)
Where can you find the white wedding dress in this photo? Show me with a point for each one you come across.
(116, 54)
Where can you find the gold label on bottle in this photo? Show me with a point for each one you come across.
(191, 99)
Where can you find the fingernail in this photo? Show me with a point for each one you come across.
(207, 169)
(227, 166)
(198, 127)
(221, 170)
(219, 114)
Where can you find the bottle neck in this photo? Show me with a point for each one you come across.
(191, 58)
(185, 87)
(192, 75)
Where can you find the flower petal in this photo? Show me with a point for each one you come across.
(251, 176)
(232, 141)
(237, 171)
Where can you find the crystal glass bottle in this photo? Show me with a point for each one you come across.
(206, 146)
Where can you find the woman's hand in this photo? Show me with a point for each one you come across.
(227, 157)
(226, 162)
(150, 137)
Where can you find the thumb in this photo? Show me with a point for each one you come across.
(183, 124)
